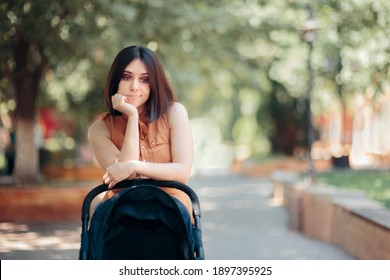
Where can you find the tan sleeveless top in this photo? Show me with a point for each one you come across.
(154, 138)
(154, 141)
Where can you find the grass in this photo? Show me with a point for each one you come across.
(375, 183)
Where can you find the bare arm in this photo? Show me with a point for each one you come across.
(181, 149)
(105, 151)
(130, 147)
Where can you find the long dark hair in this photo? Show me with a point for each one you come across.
(161, 92)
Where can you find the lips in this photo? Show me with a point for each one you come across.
(133, 96)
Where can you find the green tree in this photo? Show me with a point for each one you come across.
(353, 48)
(37, 37)
(240, 62)
(58, 52)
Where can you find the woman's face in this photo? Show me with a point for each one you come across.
(134, 84)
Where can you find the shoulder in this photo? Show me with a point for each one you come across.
(97, 128)
(177, 113)
(177, 109)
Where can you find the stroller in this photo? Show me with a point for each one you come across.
(141, 222)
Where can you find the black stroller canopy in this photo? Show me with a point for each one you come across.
(142, 222)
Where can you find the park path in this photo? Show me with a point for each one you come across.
(239, 222)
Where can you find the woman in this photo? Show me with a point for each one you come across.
(146, 133)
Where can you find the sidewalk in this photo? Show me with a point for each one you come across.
(238, 221)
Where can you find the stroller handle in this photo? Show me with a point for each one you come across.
(141, 182)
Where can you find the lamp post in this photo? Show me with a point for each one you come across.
(308, 35)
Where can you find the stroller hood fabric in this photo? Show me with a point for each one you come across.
(141, 217)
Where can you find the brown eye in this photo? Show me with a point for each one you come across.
(126, 77)
(144, 80)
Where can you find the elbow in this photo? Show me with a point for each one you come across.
(183, 179)
(184, 176)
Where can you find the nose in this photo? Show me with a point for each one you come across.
(134, 85)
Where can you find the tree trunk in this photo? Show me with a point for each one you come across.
(27, 157)
(26, 79)
(26, 163)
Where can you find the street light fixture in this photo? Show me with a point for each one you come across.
(308, 35)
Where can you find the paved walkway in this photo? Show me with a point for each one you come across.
(238, 221)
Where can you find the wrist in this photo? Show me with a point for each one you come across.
(132, 166)
(132, 116)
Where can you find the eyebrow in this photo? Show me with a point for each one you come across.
(142, 74)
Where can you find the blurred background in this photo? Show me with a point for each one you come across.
(295, 84)
(255, 85)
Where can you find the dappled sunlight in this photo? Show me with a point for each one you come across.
(23, 237)
(12, 227)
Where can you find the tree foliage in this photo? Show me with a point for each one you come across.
(240, 62)
(37, 39)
